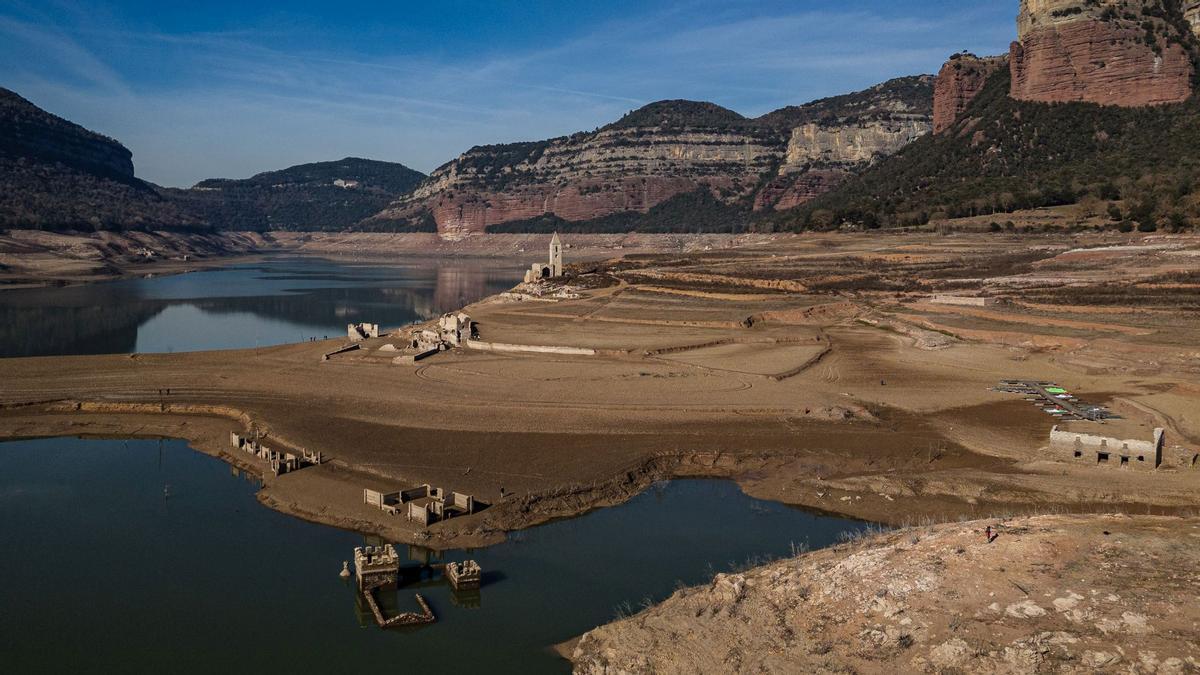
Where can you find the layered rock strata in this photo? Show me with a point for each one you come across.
(1111, 52)
(670, 148)
(958, 83)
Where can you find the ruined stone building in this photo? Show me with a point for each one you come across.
(357, 332)
(424, 504)
(1104, 451)
(551, 270)
(376, 566)
(454, 329)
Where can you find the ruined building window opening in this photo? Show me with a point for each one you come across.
(1101, 457)
(1078, 454)
(1124, 460)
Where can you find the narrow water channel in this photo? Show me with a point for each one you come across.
(137, 556)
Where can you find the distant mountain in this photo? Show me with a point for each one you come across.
(1116, 134)
(656, 166)
(56, 175)
(682, 114)
(320, 196)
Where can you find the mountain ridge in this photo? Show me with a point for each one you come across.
(316, 196)
(666, 149)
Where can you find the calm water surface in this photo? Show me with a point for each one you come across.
(101, 573)
(286, 299)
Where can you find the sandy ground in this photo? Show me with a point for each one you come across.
(1053, 593)
(853, 396)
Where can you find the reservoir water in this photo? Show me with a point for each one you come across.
(279, 300)
(141, 556)
(103, 572)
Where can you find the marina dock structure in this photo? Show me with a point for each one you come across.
(1056, 401)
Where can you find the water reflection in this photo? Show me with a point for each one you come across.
(211, 580)
(277, 301)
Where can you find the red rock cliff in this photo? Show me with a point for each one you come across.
(669, 148)
(958, 83)
(1111, 52)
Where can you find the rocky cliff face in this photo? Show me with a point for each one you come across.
(29, 131)
(1111, 52)
(667, 149)
(958, 83)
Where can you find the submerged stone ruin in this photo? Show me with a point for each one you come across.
(465, 575)
(378, 567)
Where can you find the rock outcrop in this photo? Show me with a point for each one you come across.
(667, 149)
(1111, 52)
(1047, 594)
(958, 83)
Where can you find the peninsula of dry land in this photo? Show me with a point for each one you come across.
(813, 370)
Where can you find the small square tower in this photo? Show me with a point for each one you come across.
(556, 256)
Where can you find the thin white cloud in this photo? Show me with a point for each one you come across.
(233, 103)
(35, 44)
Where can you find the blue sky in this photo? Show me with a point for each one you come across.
(228, 89)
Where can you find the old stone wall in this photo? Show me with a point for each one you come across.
(1075, 446)
(964, 300)
(537, 349)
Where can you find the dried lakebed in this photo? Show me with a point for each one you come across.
(204, 578)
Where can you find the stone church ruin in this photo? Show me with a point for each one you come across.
(552, 270)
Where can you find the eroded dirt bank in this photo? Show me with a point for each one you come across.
(1052, 593)
(35, 258)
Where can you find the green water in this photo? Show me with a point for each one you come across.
(100, 572)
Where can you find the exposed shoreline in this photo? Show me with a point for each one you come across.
(878, 405)
(896, 454)
(34, 259)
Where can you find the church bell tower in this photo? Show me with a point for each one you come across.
(556, 256)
